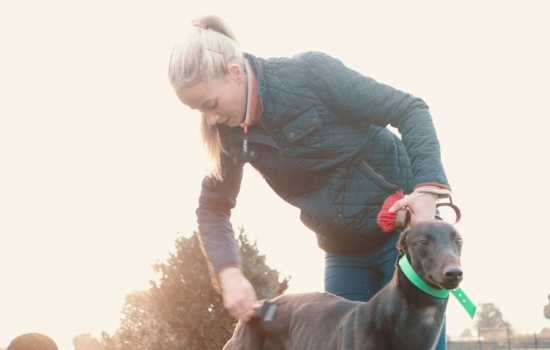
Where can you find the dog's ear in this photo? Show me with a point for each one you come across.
(402, 242)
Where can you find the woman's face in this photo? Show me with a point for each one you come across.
(221, 101)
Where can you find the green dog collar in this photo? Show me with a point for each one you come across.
(458, 293)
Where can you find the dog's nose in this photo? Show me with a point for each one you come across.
(453, 274)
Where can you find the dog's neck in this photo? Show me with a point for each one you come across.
(422, 314)
(414, 296)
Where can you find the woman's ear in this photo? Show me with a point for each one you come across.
(236, 72)
(402, 242)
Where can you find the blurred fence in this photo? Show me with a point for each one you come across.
(525, 342)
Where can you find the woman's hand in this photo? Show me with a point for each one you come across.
(239, 297)
(421, 205)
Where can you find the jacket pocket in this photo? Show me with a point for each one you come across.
(301, 126)
(377, 178)
(364, 196)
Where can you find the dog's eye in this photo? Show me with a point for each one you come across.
(422, 242)
(458, 241)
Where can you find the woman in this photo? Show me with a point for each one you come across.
(316, 131)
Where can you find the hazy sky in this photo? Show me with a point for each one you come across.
(101, 165)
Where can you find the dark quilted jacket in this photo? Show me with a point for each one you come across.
(323, 146)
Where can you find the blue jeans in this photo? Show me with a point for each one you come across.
(360, 277)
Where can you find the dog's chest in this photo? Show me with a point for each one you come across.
(428, 316)
(417, 329)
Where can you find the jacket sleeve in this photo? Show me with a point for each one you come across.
(362, 99)
(217, 198)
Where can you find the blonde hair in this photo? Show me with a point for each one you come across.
(204, 56)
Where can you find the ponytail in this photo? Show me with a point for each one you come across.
(216, 24)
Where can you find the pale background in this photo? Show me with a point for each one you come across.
(101, 165)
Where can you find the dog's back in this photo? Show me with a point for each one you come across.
(286, 330)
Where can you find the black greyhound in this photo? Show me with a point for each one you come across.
(400, 316)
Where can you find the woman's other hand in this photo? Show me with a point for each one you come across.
(421, 203)
(239, 297)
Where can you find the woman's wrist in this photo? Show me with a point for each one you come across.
(229, 273)
(437, 192)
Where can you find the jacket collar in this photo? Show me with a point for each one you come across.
(257, 65)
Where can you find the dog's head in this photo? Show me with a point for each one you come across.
(433, 249)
